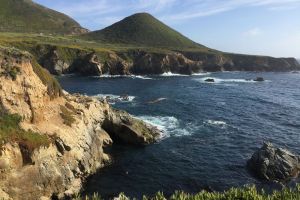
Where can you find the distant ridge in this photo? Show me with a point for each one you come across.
(25, 16)
(142, 29)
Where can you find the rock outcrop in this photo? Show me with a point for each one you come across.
(88, 66)
(274, 164)
(76, 151)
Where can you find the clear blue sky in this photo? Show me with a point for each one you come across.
(263, 27)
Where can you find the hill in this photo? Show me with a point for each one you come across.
(141, 29)
(25, 16)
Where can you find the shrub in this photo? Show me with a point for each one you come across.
(70, 107)
(67, 116)
(10, 131)
(11, 71)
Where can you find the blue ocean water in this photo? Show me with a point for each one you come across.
(210, 129)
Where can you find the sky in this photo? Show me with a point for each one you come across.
(260, 27)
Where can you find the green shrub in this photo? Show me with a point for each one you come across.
(11, 71)
(10, 131)
(67, 116)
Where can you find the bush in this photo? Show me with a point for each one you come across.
(11, 71)
(10, 131)
(67, 116)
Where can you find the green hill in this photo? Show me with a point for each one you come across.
(29, 17)
(141, 29)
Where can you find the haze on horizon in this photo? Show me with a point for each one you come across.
(260, 27)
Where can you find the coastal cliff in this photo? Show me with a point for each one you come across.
(148, 62)
(50, 141)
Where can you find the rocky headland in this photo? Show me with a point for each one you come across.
(51, 140)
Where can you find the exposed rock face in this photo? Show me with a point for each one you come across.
(89, 66)
(116, 65)
(54, 64)
(274, 164)
(153, 63)
(76, 151)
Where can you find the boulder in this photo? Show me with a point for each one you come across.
(274, 164)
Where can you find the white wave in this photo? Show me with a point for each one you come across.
(201, 74)
(194, 74)
(169, 125)
(112, 99)
(124, 76)
(172, 74)
(221, 124)
(219, 80)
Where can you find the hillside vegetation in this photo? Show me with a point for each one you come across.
(27, 16)
(248, 193)
(142, 29)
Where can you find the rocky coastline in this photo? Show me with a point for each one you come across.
(65, 60)
(76, 127)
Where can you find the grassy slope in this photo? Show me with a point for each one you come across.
(29, 42)
(142, 29)
(27, 16)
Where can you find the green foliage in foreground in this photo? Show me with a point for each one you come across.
(247, 193)
(10, 131)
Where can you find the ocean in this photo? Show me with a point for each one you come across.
(210, 130)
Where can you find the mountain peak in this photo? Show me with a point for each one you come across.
(141, 29)
(30, 17)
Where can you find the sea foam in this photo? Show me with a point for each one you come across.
(169, 125)
(124, 76)
(168, 74)
(112, 99)
(220, 124)
(219, 80)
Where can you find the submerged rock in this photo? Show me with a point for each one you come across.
(156, 100)
(274, 164)
(210, 80)
(259, 79)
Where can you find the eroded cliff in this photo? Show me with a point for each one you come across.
(74, 130)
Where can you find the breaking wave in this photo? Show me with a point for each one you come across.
(169, 125)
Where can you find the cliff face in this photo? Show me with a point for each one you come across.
(66, 60)
(77, 128)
